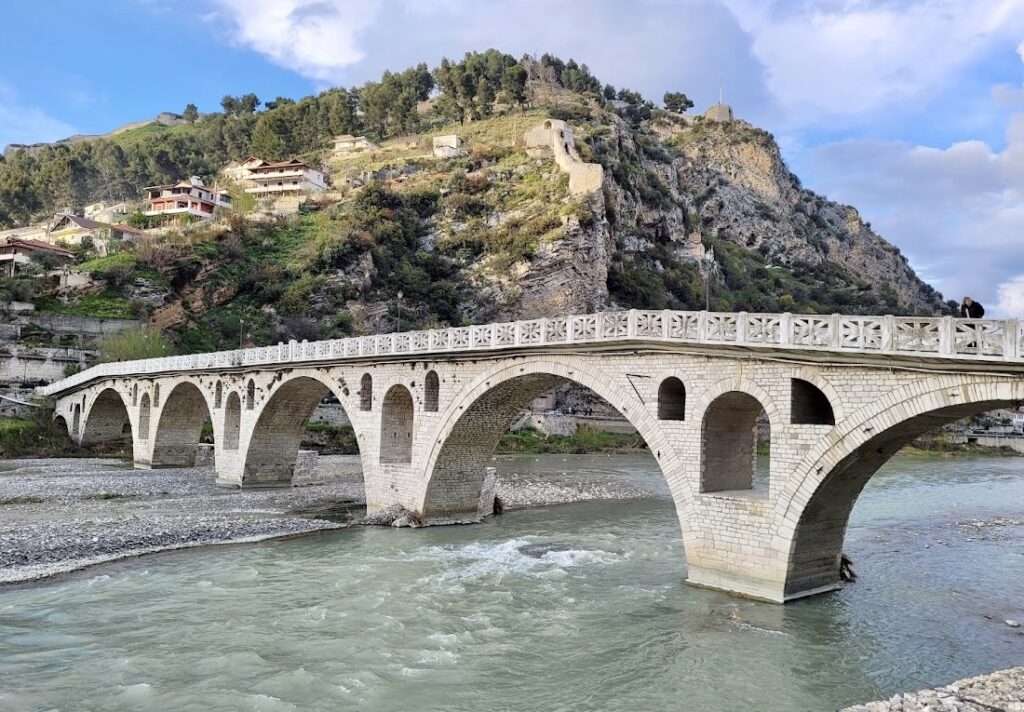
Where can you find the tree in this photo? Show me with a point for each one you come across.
(513, 84)
(677, 102)
(248, 103)
(190, 114)
(609, 92)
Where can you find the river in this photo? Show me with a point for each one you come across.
(573, 607)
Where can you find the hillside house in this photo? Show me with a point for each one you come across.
(239, 171)
(293, 177)
(448, 146)
(188, 197)
(106, 212)
(347, 143)
(70, 229)
(17, 253)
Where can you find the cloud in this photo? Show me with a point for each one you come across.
(832, 59)
(957, 212)
(27, 124)
(316, 38)
(1011, 297)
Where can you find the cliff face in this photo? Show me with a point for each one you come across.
(676, 188)
(689, 185)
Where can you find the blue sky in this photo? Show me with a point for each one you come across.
(911, 110)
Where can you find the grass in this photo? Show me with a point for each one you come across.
(102, 264)
(104, 306)
(586, 440)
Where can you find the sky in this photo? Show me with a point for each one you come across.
(910, 110)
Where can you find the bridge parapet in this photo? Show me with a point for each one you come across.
(940, 337)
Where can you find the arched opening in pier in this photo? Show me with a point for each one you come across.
(366, 392)
(232, 421)
(303, 435)
(816, 540)
(179, 430)
(144, 413)
(809, 405)
(672, 399)
(431, 392)
(76, 420)
(396, 426)
(534, 412)
(735, 443)
(107, 421)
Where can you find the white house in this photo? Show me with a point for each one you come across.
(239, 171)
(286, 178)
(347, 143)
(447, 146)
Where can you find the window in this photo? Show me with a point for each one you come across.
(672, 399)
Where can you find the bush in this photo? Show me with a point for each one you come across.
(147, 342)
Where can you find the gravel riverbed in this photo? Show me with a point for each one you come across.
(1000, 691)
(59, 515)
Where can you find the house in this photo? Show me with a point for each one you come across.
(346, 143)
(286, 178)
(447, 146)
(18, 252)
(106, 212)
(188, 197)
(238, 171)
(70, 229)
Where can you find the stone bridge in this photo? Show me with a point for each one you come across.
(842, 395)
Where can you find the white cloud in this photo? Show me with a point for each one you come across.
(27, 124)
(1011, 297)
(957, 212)
(316, 38)
(848, 58)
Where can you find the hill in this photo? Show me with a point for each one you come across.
(504, 231)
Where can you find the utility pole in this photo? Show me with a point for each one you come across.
(399, 324)
(241, 333)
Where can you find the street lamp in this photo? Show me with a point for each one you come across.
(241, 333)
(399, 320)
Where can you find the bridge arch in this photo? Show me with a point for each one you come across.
(814, 510)
(180, 426)
(105, 419)
(275, 438)
(472, 425)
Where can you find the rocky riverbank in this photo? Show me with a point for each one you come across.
(1001, 691)
(59, 515)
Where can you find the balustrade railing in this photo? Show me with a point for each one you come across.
(982, 339)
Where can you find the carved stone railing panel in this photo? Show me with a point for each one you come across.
(916, 335)
(555, 331)
(614, 325)
(979, 336)
(650, 324)
(505, 334)
(584, 328)
(531, 332)
(860, 333)
(811, 331)
(763, 329)
(721, 328)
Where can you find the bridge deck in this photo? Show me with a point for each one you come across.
(981, 341)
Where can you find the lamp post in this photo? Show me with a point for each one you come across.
(399, 320)
(241, 333)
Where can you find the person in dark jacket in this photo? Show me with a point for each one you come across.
(971, 309)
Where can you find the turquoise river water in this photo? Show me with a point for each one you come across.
(574, 607)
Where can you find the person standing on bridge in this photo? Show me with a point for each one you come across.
(970, 309)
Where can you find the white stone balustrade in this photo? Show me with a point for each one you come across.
(944, 337)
